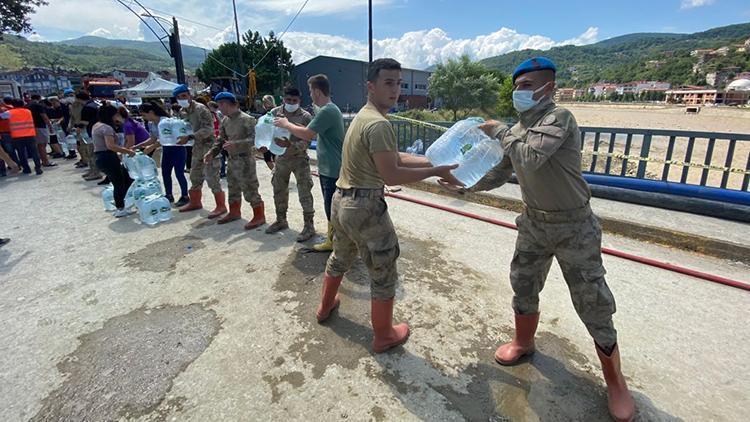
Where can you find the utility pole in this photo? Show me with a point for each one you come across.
(176, 50)
(370, 37)
(241, 70)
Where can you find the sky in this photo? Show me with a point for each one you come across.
(419, 33)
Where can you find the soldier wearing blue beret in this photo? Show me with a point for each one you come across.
(544, 151)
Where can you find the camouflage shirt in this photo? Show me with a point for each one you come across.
(202, 121)
(544, 151)
(301, 118)
(237, 129)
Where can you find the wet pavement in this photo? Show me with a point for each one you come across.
(108, 319)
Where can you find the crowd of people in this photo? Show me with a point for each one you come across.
(542, 150)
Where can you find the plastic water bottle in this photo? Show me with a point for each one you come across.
(108, 197)
(279, 133)
(85, 138)
(416, 148)
(164, 207)
(146, 167)
(71, 142)
(131, 165)
(469, 147)
(166, 132)
(183, 128)
(129, 197)
(264, 131)
(149, 212)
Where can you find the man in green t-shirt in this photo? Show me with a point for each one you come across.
(370, 159)
(328, 127)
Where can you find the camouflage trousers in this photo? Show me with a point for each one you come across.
(361, 225)
(87, 156)
(242, 179)
(574, 238)
(199, 171)
(282, 171)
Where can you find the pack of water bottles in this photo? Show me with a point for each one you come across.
(145, 193)
(266, 134)
(172, 128)
(469, 147)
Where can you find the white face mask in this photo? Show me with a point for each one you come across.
(291, 108)
(523, 100)
(183, 103)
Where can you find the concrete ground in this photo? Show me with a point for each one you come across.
(107, 319)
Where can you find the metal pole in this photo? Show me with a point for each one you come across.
(239, 47)
(177, 52)
(370, 25)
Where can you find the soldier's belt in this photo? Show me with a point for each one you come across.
(569, 216)
(362, 193)
(241, 141)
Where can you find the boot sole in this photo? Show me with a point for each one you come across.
(227, 221)
(322, 319)
(212, 216)
(190, 209)
(515, 361)
(255, 225)
(390, 346)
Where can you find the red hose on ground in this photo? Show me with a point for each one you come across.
(635, 258)
(624, 255)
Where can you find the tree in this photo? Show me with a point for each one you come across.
(14, 15)
(271, 73)
(465, 85)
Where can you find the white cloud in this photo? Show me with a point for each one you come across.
(118, 32)
(219, 38)
(421, 49)
(35, 37)
(690, 4)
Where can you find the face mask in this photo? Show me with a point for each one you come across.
(183, 103)
(291, 108)
(524, 100)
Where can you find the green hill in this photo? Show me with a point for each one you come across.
(92, 54)
(192, 56)
(626, 58)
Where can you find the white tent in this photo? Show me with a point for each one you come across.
(153, 86)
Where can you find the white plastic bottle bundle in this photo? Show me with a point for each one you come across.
(264, 131)
(183, 128)
(108, 197)
(469, 147)
(71, 142)
(145, 192)
(166, 132)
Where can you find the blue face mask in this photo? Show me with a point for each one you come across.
(523, 100)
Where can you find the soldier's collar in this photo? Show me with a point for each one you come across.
(530, 117)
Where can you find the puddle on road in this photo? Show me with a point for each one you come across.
(548, 386)
(162, 256)
(126, 368)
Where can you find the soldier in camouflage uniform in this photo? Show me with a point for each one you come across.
(359, 214)
(294, 160)
(202, 122)
(544, 151)
(237, 137)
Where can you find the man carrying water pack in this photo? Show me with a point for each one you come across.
(544, 151)
(202, 121)
(237, 137)
(359, 214)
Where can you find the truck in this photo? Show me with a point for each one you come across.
(101, 88)
(10, 89)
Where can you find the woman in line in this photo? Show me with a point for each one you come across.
(104, 138)
(172, 156)
(135, 133)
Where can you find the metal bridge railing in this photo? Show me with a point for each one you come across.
(712, 159)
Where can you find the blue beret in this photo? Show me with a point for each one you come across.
(68, 91)
(179, 89)
(225, 96)
(532, 65)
